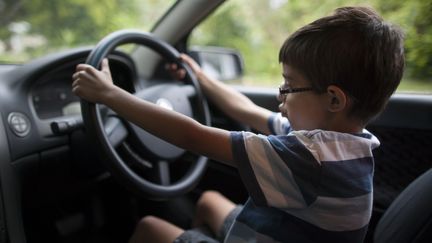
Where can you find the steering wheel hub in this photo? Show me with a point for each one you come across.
(167, 96)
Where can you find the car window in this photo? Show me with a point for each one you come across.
(39, 27)
(258, 28)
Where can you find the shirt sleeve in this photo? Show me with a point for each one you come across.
(278, 125)
(278, 171)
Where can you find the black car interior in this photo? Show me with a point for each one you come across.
(58, 184)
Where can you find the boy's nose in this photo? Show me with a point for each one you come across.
(280, 97)
(280, 106)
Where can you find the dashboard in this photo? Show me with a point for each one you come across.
(51, 95)
(37, 96)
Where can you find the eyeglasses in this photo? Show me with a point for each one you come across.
(285, 91)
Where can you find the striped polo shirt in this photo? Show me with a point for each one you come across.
(304, 186)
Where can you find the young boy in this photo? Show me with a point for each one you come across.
(312, 180)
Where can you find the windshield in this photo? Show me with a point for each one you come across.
(35, 28)
(31, 29)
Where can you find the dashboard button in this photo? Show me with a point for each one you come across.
(19, 124)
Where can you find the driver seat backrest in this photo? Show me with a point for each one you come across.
(409, 217)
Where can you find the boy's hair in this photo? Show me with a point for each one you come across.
(353, 49)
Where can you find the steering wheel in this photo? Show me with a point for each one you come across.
(110, 132)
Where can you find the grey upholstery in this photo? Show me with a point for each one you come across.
(409, 217)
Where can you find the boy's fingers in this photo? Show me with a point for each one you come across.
(187, 59)
(176, 71)
(171, 66)
(82, 66)
(190, 61)
(78, 75)
(184, 57)
(182, 73)
(75, 76)
(105, 65)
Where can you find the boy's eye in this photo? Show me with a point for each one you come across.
(287, 83)
(286, 86)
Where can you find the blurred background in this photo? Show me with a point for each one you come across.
(257, 28)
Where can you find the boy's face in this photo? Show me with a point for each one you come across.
(305, 109)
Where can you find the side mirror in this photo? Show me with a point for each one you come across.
(221, 63)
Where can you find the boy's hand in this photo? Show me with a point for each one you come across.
(91, 84)
(180, 73)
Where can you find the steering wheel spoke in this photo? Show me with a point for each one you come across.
(115, 130)
(188, 90)
(163, 172)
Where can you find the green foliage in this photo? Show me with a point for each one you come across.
(255, 27)
(74, 21)
(266, 26)
(55, 24)
(416, 20)
(419, 42)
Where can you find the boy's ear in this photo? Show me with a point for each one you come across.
(337, 99)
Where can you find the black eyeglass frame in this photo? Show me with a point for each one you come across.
(286, 91)
(294, 90)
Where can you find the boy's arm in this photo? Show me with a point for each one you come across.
(182, 131)
(231, 102)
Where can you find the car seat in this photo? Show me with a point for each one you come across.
(409, 217)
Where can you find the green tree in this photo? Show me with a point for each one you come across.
(419, 41)
(416, 20)
(260, 27)
(69, 23)
(65, 24)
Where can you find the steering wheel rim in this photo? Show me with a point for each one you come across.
(96, 131)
